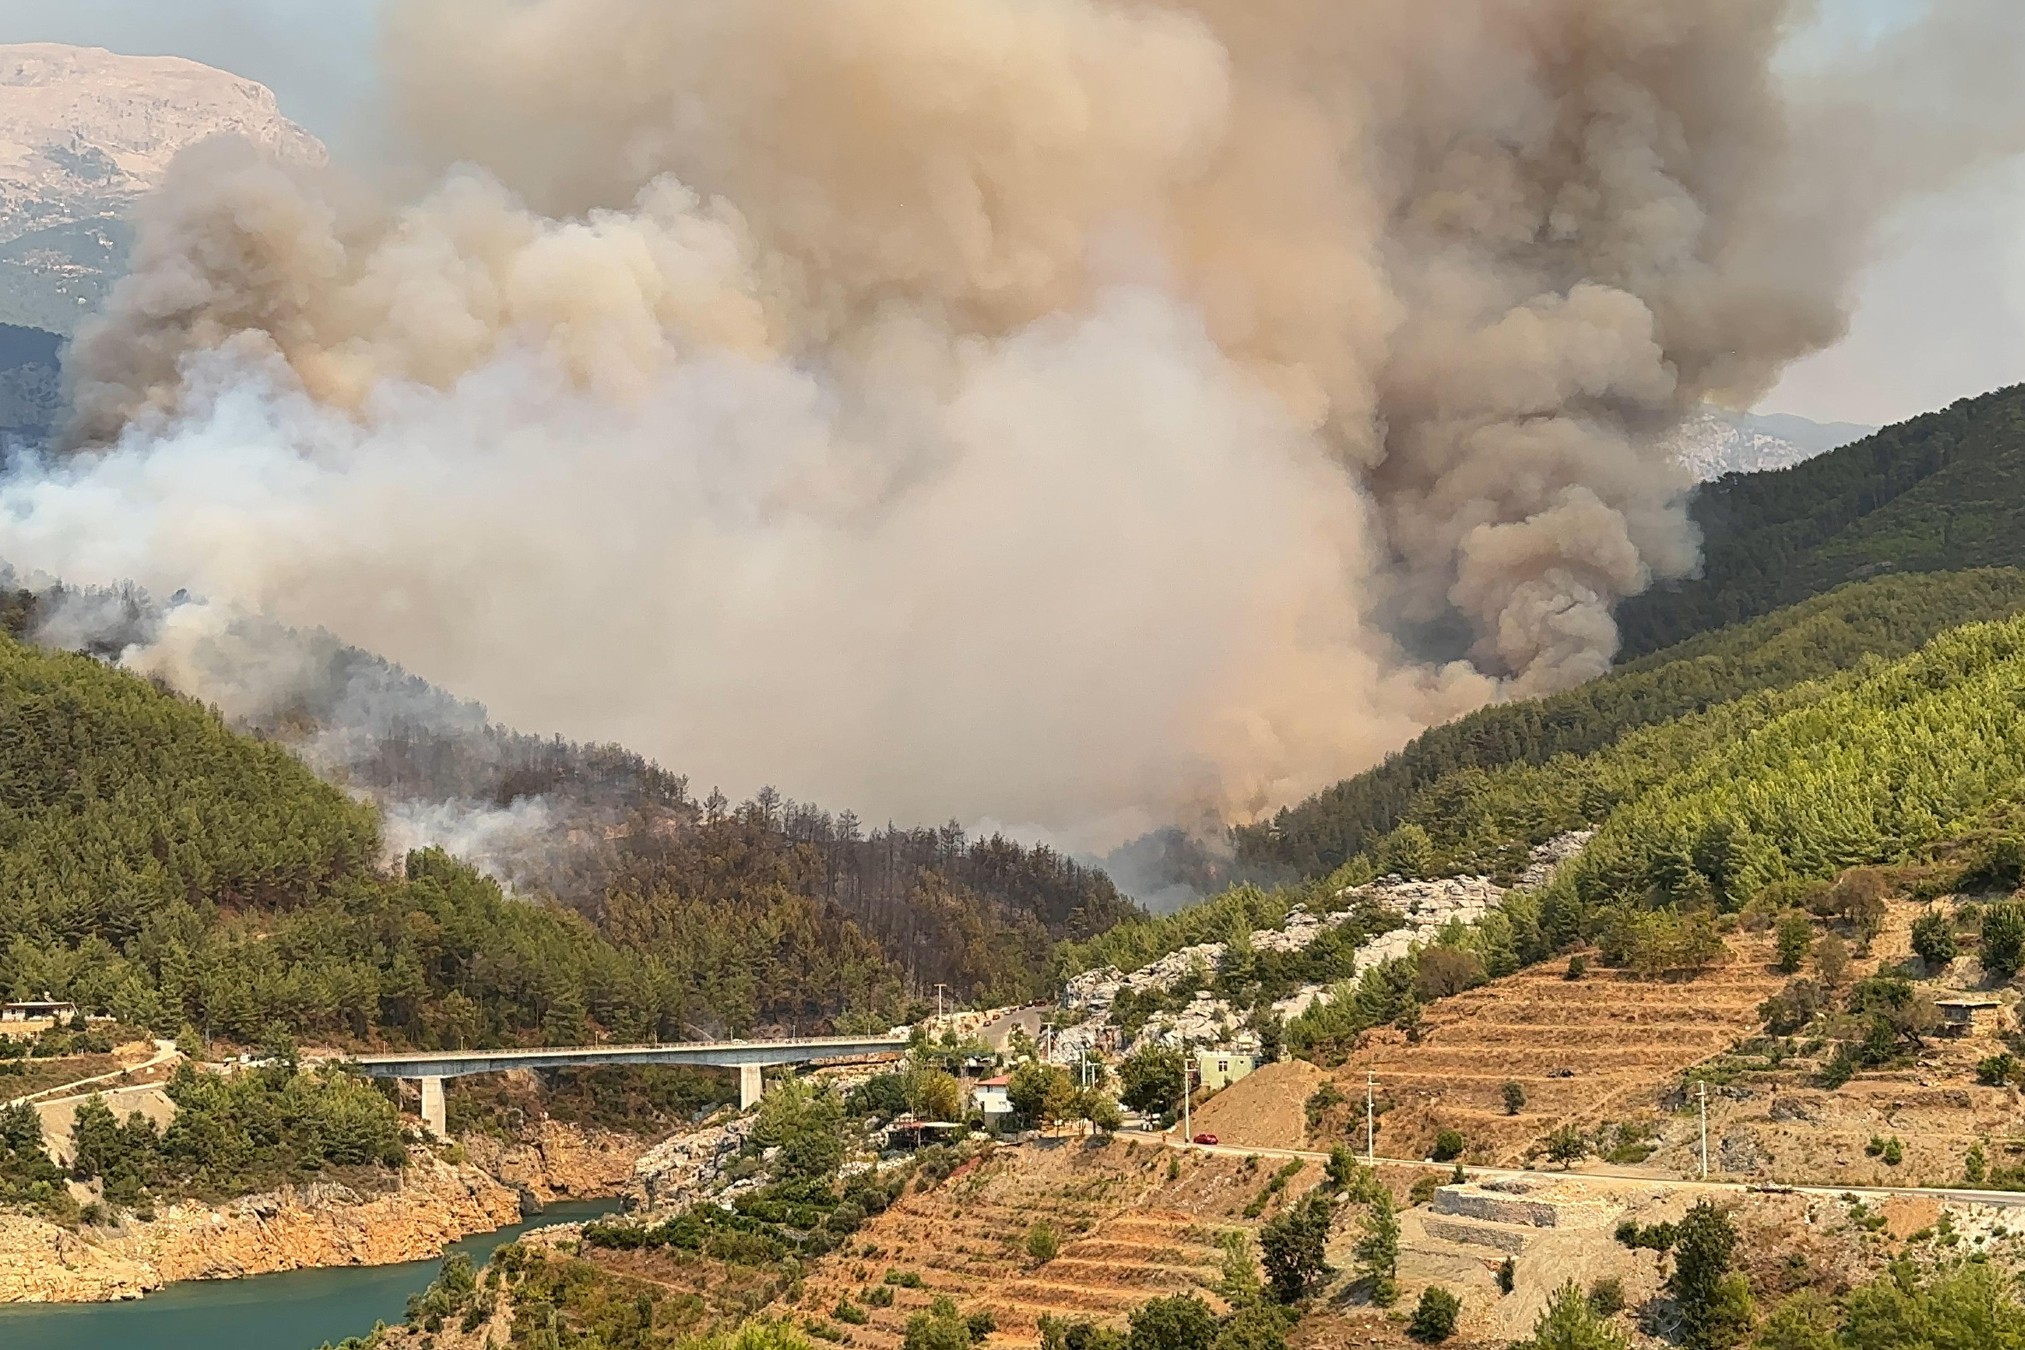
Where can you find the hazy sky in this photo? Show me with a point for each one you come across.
(1942, 312)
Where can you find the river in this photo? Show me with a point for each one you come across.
(299, 1310)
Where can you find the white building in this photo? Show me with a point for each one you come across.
(990, 1100)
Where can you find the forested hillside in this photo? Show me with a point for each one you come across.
(155, 864)
(1753, 803)
(626, 843)
(1943, 491)
(30, 384)
(1436, 778)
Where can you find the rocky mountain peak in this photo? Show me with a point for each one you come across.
(84, 133)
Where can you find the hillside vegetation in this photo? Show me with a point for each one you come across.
(1883, 618)
(1695, 816)
(1940, 492)
(1705, 811)
(155, 864)
(623, 842)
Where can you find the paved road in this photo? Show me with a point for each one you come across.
(1959, 1195)
(998, 1032)
(712, 1054)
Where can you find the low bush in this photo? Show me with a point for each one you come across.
(1434, 1317)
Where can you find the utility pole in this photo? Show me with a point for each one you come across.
(1370, 1118)
(1187, 1131)
(939, 987)
(1705, 1129)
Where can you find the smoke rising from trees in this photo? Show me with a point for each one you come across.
(1066, 412)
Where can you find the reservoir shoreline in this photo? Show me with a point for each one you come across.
(292, 1310)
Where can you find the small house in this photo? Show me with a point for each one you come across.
(1217, 1069)
(38, 1010)
(990, 1100)
(1962, 1015)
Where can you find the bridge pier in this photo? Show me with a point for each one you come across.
(750, 1086)
(434, 1115)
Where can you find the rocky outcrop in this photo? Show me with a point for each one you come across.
(1424, 908)
(297, 1228)
(678, 1171)
(42, 1263)
(555, 1161)
(87, 134)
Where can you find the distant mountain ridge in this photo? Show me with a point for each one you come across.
(1941, 492)
(1715, 442)
(84, 133)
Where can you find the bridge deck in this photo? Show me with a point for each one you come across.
(706, 1054)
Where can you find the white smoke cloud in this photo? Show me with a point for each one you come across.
(1036, 409)
(509, 843)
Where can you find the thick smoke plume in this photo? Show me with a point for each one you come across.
(1074, 412)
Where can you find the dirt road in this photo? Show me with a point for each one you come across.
(1958, 1195)
(164, 1052)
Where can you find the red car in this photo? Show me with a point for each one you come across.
(1205, 1139)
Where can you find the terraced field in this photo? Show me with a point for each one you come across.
(1588, 1050)
(1128, 1234)
(1596, 1049)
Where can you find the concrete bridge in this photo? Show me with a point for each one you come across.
(750, 1058)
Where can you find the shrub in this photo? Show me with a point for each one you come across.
(1179, 1322)
(1515, 1098)
(1630, 1148)
(1975, 1165)
(1260, 1327)
(1320, 1101)
(1448, 1145)
(1508, 1275)
(1423, 1188)
(1606, 1296)
(1792, 1008)
(1043, 1243)
(940, 1327)
(1998, 1070)
(1933, 937)
(1567, 1146)
(2001, 866)
(1578, 966)
(849, 1312)
(1434, 1317)
(1894, 1152)
(1569, 1323)
(1655, 1237)
(880, 1297)
(2003, 939)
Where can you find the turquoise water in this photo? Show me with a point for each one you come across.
(299, 1310)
